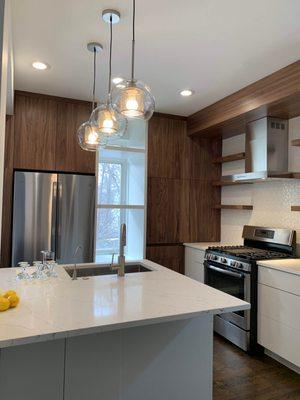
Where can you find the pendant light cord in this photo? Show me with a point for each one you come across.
(110, 52)
(133, 40)
(94, 80)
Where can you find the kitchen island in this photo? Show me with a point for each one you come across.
(148, 335)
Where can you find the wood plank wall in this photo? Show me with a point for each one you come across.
(41, 136)
(180, 192)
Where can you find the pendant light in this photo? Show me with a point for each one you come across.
(134, 99)
(109, 122)
(87, 135)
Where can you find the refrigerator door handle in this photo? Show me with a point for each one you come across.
(54, 217)
(58, 218)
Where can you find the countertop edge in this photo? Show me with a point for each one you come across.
(284, 269)
(113, 327)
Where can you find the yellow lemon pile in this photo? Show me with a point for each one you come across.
(9, 299)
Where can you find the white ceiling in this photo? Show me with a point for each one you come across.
(214, 47)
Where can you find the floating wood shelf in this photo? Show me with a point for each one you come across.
(295, 142)
(231, 157)
(233, 207)
(295, 208)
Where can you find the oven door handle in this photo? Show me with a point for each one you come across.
(225, 271)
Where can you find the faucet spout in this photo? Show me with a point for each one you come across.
(74, 276)
(121, 259)
(122, 239)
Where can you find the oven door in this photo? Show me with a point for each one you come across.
(235, 283)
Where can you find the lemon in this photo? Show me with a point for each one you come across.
(9, 293)
(4, 303)
(13, 300)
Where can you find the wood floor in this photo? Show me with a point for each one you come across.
(240, 377)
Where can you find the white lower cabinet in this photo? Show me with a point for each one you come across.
(194, 260)
(278, 314)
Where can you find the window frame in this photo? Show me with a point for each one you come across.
(123, 207)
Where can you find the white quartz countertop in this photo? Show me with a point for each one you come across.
(59, 307)
(291, 265)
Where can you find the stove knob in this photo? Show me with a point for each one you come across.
(239, 265)
(223, 260)
(233, 264)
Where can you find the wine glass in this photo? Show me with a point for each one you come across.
(38, 273)
(51, 271)
(23, 274)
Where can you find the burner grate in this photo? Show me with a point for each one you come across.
(248, 253)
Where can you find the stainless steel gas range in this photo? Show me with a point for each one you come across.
(233, 269)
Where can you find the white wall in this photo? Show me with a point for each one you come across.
(6, 82)
(271, 200)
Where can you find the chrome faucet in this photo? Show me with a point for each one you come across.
(121, 259)
(74, 276)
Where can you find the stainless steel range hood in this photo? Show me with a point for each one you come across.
(266, 151)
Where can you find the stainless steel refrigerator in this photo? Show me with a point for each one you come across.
(53, 212)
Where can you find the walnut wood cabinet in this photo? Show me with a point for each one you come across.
(45, 134)
(180, 194)
(35, 127)
(170, 256)
(69, 155)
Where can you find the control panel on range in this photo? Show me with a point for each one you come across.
(228, 261)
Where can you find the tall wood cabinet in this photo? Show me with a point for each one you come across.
(41, 136)
(180, 191)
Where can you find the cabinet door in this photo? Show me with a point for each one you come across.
(194, 260)
(166, 145)
(35, 132)
(167, 256)
(278, 322)
(70, 157)
(167, 208)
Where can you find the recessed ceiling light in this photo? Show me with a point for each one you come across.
(40, 65)
(117, 80)
(186, 92)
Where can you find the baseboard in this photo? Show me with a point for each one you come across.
(283, 361)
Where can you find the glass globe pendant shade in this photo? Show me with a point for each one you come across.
(134, 100)
(88, 137)
(108, 121)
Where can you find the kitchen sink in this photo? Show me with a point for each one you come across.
(87, 271)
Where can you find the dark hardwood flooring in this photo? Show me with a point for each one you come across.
(240, 377)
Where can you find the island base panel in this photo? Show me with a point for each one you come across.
(169, 360)
(33, 371)
(163, 361)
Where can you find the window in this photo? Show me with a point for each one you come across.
(121, 195)
(110, 192)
